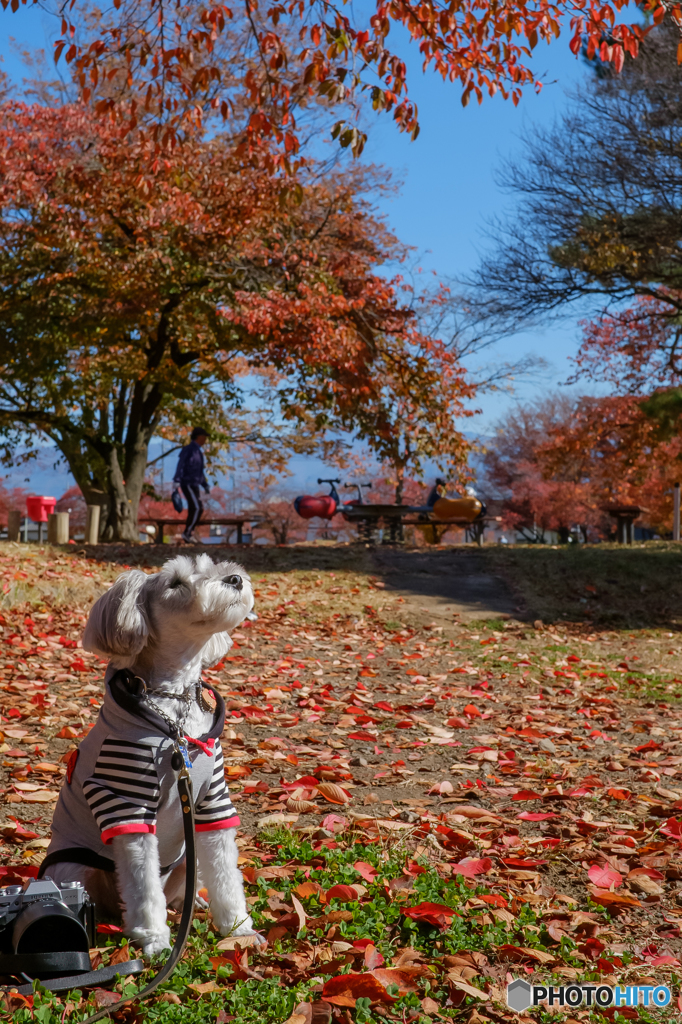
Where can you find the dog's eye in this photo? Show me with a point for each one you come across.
(177, 582)
(234, 581)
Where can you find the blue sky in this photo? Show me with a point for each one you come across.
(448, 189)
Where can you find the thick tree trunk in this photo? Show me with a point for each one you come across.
(102, 484)
(104, 481)
(124, 501)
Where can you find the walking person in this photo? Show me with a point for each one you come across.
(190, 477)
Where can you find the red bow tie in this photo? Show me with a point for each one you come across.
(207, 747)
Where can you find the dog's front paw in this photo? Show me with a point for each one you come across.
(232, 927)
(152, 944)
(247, 932)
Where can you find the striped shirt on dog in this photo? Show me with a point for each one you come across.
(120, 780)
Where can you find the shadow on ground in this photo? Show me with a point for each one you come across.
(254, 558)
(456, 584)
(605, 585)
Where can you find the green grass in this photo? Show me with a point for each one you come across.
(376, 916)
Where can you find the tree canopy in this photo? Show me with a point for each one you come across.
(559, 462)
(598, 213)
(283, 56)
(127, 309)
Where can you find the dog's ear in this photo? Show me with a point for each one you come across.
(118, 624)
(215, 648)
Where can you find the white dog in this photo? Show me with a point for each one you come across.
(118, 826)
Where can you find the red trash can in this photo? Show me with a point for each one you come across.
(39, 508)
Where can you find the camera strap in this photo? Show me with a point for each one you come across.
(34, 963)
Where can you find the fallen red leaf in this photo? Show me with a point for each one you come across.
(343, 893)
(494, 899)
(472, 866)
(604, 876)
(345, 989)
(365, 870)
(472, 711)
(404, 979)
(437, 914)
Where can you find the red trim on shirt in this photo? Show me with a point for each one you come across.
(126, 830)
(214, 826)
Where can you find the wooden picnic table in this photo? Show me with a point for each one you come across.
(396, 517)
(237, 520)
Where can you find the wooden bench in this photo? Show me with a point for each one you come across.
(237, 521)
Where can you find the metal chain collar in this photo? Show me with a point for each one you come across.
(194, 693)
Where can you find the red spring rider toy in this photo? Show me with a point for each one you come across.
(321, 506)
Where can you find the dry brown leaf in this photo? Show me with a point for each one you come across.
(232, 941)
(333, 793)
(303, 806)
(470, 811)
(646, 885)
(41, 796)
(308, 888)
(299, 911)
(463, 986)
(205, 988)
(615, 901)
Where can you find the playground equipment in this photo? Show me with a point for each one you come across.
(466, 511)
(319, 506)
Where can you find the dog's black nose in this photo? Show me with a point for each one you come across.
(234, 581)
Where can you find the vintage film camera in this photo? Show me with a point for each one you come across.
(46, 929)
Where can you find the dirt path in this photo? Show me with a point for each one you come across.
(449, 586)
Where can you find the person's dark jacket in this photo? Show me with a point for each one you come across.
(191, 467)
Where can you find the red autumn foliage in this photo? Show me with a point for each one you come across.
(437, 914)
(280, 59)
(11, 498)
(560, 462)
(634, 350)
(160, 279)
(346, 988)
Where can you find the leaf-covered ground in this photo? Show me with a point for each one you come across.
(428, 810)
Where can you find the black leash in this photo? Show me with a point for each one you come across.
(185, 791)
